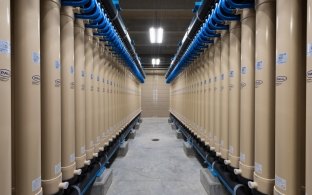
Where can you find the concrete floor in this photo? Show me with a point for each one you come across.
(156, 168)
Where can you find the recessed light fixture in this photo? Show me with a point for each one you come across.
(155, 61)
(156, 35)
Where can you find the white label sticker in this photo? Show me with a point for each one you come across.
(36, 57)
(242, 157)
(281, 58)
(231, 149)
(280, 182)
(244, 70)
(231, 73)
(36, 184)
(83, 149)
(72, 69)
(5, 47)
(259, 65)
(258, 168)
(72, 158)
(57, 64)
(309, 49)
(57, 168)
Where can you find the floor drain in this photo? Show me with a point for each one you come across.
(155, 140)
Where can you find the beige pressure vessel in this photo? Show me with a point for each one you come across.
(234, 93)
(264, 97)
(106, 114)
(224, 128)
(96, 93)
(109, 102)
(247, 106)
(211, 96)
(80, 93)
(207, 101)
(290, 98)
(50, 96)
(202, 99)
(309, 102)
(68, 92)
(26, 102)
(101, 96)
(89, 93)
(5, 98)
(217, 111)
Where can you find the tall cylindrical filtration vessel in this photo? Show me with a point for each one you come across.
(101, 97)
(202, 99)
(26, 102)
(106, 118)
(234, 92)
(207, 101)
(89, 93)
(5, 98)
(247, 107)
(265, 96)
(96, 93)
(211, 95)
(309, 102)
(68, 92)
(290, 97)
(217, 111)
(80, 93)
(50, 96)
(224, 143)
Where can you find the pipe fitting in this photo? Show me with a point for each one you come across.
(77, 172)
(218, 154)
(87, 162)
(237, 171)
(212, 148)
(63, 185)
(227, 162)
(95, 155)
(101, 149)
(252, 185)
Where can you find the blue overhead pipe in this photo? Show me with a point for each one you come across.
(223, 16)
(87, 9)
(94, 15)
(74, 3)
(214, 22)
(226, 8)
(99, 20)
(240, 5)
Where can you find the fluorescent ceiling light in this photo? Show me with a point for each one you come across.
(160, 35)
(152, 35)
(156, 35)
(155, 61)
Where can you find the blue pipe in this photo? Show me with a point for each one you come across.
(92, 11)
(223, 12)
(240, 5)
(74, 3)
(90, 16)
(89, 8)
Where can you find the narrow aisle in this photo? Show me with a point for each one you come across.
(156, 168)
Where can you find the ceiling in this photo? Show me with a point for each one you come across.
(174, 16)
